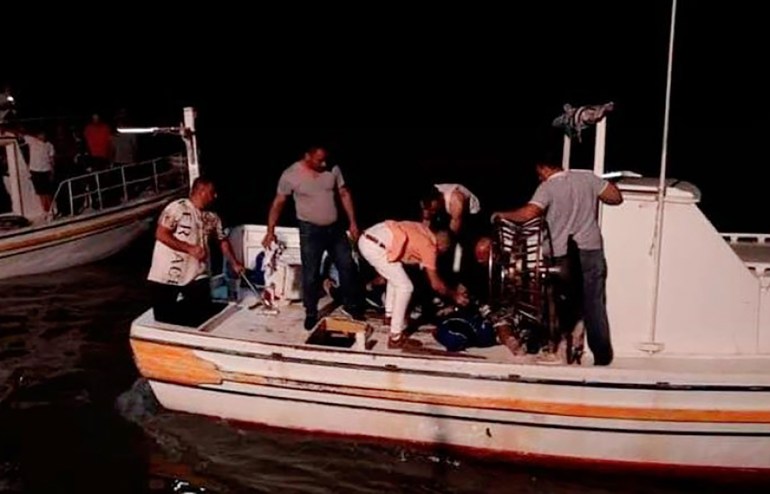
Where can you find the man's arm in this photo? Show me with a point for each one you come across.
(227, 250)
(347, 204)
(520, 215)
(346, 198)
(166, 236)
(276, 208)
(456, 210)
(438, 285)
(611, 195)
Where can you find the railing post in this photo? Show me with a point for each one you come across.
(72, 203)
(125, 186)
(99, 190)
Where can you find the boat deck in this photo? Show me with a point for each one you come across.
(286, 330)
(754, 251)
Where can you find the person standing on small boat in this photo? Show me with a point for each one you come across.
(568, 199)
(180, 256)
(387, 246)
(313, 187)
(98, 137)
(39, 153)
(7, 105)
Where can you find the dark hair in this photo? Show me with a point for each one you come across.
(199, 182)
(439, 222)
(312, 148)
(429, 193)
(548, 159)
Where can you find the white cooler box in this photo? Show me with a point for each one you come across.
(247, 244)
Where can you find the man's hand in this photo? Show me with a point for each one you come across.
(197, 252)
(238, 268)
(354, 232)
(268, 240)
(461, 296)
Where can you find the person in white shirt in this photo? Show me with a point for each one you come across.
(180, 257)
(39, 154)
(455, 199)
(7, 105)
(461, 206)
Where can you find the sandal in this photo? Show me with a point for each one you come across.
(402, 341)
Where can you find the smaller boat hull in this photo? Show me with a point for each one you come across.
(63, 244)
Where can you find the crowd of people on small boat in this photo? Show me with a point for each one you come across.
(57, 149)
(430, 268)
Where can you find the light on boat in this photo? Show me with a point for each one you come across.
(138, 130)
(620, 174)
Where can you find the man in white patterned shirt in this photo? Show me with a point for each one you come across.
(180, 257)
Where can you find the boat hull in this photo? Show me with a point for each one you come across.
(509, 412)
(508, 436)
(67, 243)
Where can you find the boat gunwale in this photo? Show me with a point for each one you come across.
(516, 378)
(90, 215)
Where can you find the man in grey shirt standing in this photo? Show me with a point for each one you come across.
(568, 199)
(313, 187)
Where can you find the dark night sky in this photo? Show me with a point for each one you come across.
(465, 96)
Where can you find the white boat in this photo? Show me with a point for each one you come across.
(688, 391)
(94, 215)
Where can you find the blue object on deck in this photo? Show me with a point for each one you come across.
(457, 333)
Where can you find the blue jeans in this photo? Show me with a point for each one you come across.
(584, 294)
(314, 241)
(594, 269)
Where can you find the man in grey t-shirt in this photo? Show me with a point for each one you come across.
(314, 189)
(568, 199)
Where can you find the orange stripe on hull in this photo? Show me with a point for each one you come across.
(173, 364)
(179, 372)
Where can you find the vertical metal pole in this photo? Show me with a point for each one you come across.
(651, 345)
(599, 152)
(565, 153)
(191, 143)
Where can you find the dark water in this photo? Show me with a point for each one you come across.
(74, 417)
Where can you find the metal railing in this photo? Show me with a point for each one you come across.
(118, 185)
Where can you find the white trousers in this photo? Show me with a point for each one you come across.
(398, 291)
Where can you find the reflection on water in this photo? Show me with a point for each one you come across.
(75, 418)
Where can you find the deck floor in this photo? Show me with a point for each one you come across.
(756, 255)
(286, 328)
(753, 252)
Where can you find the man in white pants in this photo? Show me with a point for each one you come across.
(389, 245)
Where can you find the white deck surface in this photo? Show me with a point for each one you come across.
(240, 323)
(753, 253)
(286, 328)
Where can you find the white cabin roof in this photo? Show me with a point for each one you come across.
(676, 188)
